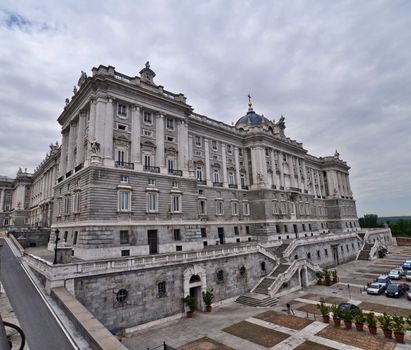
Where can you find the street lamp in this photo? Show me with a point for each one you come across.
(55, 249)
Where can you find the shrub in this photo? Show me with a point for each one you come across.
(324, 309)
(371, 319)
(359, 316)
(385, 321)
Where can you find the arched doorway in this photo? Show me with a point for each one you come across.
(195, 284)
(195, 290)
(303, 277)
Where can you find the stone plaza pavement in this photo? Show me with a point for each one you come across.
(223, 328)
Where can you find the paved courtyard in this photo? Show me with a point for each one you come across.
(235, 326)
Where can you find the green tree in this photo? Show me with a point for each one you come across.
(369, 221)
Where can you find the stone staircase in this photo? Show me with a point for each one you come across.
(262, 287)
(365, 252)
(256, 300)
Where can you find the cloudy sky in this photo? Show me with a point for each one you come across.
(339, 71)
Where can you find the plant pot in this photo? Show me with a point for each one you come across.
(190, 314)
(337, 322)
(359, 327)
(399, 337)
(319, 282)
(326, 319)
(387, 333)
(348, 324)
(372, 330)
(328, 283)
(208, 308)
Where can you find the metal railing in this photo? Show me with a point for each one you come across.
(120, 164)
(151, 169)
(217, 184)
(175, 172)
(232, 185)
(163, 346)
(4, 342)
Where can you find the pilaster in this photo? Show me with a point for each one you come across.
(108, 133)
(160, 143)
(80, 138)
(237, 167)
(182, 134)
(207, 162)
(135, 151)
(2, 199)
(224, 157)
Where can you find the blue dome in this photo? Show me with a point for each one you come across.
(252, 118)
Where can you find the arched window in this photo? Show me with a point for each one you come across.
(242, 271)
(262, 266)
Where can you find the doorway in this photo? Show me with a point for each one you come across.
(335, 254)
(221, 234)
(303, 278)
(152, 239)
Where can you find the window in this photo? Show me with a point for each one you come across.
(231, 179)
(174, 184)
(65, 236)
(303, 227)
(176, 203)
(285, 228)
(262, 265)
(147, 160)
(214, 145)
(219, 208)
(267, 152)
(120, 156)
(309, 255)
(234, 207)
(346, 248)
(242, 271)
(170, 124)
(121, 110)
(318, 254)
(75, 238)
(220, 276)
(121, 127)
(76, 202)
(236, 230)
(124, 200)
(162, 289)
(147, 133)
(277, 228)
(240, 152)
(242, 179)
(125, 252)
(124, 238)
(124, 179)
(309, 227)
(203, 232)
(177, 234)
(152, 202)
(246, 208)
(59, 206)
(202, 207)
(151, 182)
(122, 295)
(170, 165)
(229, 149)
(326, 252)
(216, 176)
(197, 140)
(67, 205)
(179, 248)
(247, 230)
(148, 118)
(199, 173)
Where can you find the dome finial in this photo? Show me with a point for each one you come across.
(250, 104)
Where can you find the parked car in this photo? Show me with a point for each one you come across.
(396, 290)
(408, 276)
(409, 294)
(383, 281)
(342, 307)
(406, 265)
(375, 288)
(395, 274)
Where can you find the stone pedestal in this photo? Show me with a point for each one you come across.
(64, 255)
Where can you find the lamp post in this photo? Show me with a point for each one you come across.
(55, 249)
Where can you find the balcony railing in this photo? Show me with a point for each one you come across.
(294, 189)
(232, 185)
(274, 187)
(152, 169)
(281, 187)
(68, 174)
(201, 182)
(175, 172)
(78, 167)
(244, 187)
(217, 184)
(60, 179)
(120, 164)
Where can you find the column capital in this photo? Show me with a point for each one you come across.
(135, 107)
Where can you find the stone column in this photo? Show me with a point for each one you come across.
(281, 168)
(347, 178)
(246, 167)
(292, 173)
(224, 157)
(305, 176)
(99, 123)
(108, 134)
(182, 134)
(190, 164)
(254, 166)
(320, 189)
(314, 191)
(2, 199)
(207, 162)
(135, 151)
(63, 156)
(297, 166)
(237, 167)
(81, 126)
(160, 143)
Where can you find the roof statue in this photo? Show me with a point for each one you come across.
(336, 154)
(82, 79)
(281, 122)
(147, 74)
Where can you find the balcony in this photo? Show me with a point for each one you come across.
(201, 182)
(60, 179)
(68, 174)
(232, 185)
(120, 164)
(78, 167)
(175, 172)
(244, 187)
(281, 187)
(274, 187)
(152, 169)
(294, 189)
(217, 184)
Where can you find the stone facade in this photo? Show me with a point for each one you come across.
(6, 194)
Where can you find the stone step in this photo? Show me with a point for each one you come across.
(256, 300)
(280, 269)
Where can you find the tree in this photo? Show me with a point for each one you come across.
(369, 221)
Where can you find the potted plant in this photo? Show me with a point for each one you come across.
(371, 322)
(191, 304)
(385, 321)
(334, 275)
(327, 277)
(398, 326)
(359, 320)
(347, 317)
(324, 309)
(208, 298)
(320, 276)
(336, 317)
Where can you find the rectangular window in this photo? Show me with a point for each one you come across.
(170, 124)
(202, 207)
(203, 232)
(76, 202)
(176, 203)
(326, 252)
(242, 179)
(170, 138)
(214, 145)
(148, 117)
(152, 202)
(122, 127)
(121, 110)
(125, 252)
(219, 208)
(229, 149)
(75, 238)
(231, 179)
(177, 235)
(170, 165)
(309, 227)
(179, 248)
(124, 237)
(304, 227)
(66, 205)
(151, 182)
(120, 156)
(236, 230)
(234, 206)
(199, 173)
(216, 176)
(246, 208)
(247, 230)
(240, 152)
(147, 133)
(285, 228)
(161, 289)
(124, 200)
(197, 140)
(147, 160)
